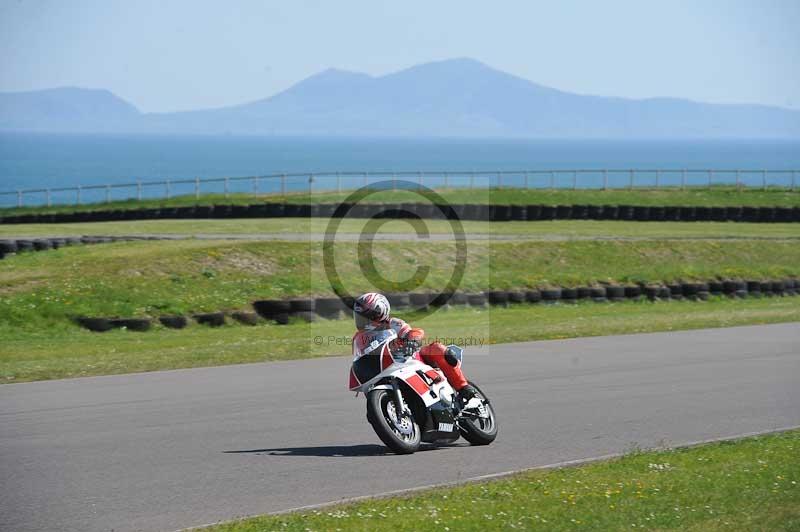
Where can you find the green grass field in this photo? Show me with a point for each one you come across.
(151, 278)
(749, 484)
(714, 196)
(62, 350)
(293, 226)
(41, 292)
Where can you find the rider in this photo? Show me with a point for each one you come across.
(371, 313)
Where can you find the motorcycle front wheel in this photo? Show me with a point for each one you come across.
(400, 435)
(479, 430)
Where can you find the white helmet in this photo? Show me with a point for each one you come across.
(370, 309)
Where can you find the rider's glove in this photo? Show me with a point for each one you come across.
(411, 347)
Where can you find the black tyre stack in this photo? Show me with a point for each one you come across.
(276, 310)
(212, 319)
(551, 295)
(173, 321)
(330, 308)
(303, 308)
(497, 298)
(615, 293)
(477, 300)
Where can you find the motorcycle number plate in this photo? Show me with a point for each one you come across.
(445, 427)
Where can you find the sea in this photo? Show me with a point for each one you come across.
(52, 161)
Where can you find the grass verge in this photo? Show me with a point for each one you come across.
(299, 226)
(150, 278)
(749, 484)
(714, 196)
(63, 350)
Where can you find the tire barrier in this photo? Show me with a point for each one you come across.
(550, 295)
(212, 319)
(173, 322)
(10, 247)
(131, 324)
(458, 298)
(279, 311)
(615, 293)
(533, 296)
(273, 310)
(633, 292)
(477, 300)
(478, 212)
(95, 324)
(569, 295)
(41, 244)
(651, 292)
(331, 308)
(303, 309)
(599, 294)
(497, 298)
(516, 296)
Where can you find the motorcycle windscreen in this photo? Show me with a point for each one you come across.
(367, 351)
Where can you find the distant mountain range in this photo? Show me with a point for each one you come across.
(453, 98)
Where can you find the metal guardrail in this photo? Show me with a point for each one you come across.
(311, 182)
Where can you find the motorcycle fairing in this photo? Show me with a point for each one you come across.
(371, 356)
(439, 424)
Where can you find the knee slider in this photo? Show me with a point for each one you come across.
(450, 357)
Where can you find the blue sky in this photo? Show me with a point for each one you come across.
(165, 56)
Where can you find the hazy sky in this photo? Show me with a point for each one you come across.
(174, 55)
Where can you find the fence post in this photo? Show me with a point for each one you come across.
(338, 182)
(552, 180)
(764, 179)
(605, 179)
(169, 190)
(139, 190)
(49, 203)
(683, 179)
(108, 193)
(630, 184)
(283, 184)
(19, 198)
(79, 194)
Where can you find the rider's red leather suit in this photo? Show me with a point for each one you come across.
(433, 354)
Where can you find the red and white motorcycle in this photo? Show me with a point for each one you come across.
(410, 402)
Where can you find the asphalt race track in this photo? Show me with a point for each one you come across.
(173, 449)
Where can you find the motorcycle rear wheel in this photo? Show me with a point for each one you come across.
(479, 431)
(380, 410)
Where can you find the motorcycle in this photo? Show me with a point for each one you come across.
(410, 402)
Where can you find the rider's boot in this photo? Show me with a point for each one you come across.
(468, 398)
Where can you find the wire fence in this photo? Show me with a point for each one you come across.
(321, 182)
